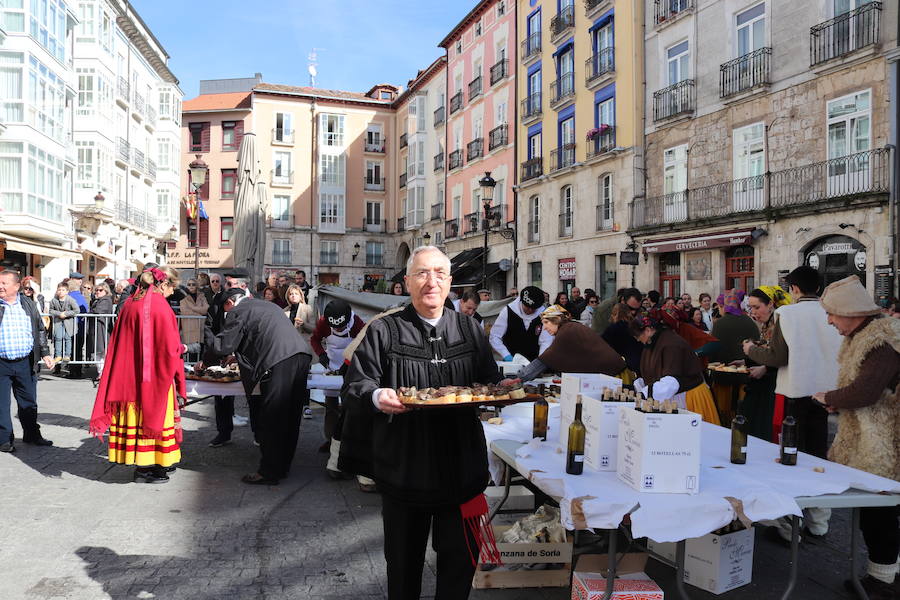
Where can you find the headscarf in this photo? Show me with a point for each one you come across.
(776, 294)
(649, 318)
(556, 310)
(730, 301)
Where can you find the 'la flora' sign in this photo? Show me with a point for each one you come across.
(567, 269)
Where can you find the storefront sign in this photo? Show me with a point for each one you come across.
(718, 240)
(567, 269)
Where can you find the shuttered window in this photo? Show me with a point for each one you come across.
(199, 137)
(232, 133)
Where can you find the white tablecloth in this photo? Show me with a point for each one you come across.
(765, 489)
(200, 389)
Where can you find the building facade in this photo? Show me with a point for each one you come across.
(767, 149)
(37, 158)
(481, 104)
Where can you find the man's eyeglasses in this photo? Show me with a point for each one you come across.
(592, 301)
(192, 285)
(86, 288)
(423, 275)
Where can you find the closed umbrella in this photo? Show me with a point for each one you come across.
(249, 211)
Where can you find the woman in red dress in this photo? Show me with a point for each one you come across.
(136, 399)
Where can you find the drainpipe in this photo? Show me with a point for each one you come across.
(312, 184)
(515, 170)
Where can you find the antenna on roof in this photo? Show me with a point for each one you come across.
(312, 66)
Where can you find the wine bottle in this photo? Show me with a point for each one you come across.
(575, 454)
(541, 412)
(739, 440)
(789, 441)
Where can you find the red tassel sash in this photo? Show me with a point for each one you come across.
(475, 520)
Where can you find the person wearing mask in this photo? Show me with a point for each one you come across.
(618, 334)
(576, 303)
(193, 306)
(670, 370)
(333, 332)
(517, 329)
(430, 466)
(468, 304)
(136, 399)
(23, 346)
(867, 398)
(804, 349)
(274, 359)
(63, 310)
(300, 314)
(603, 311)
(99, 328)
(575, 349)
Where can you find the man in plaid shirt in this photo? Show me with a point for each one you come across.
(23, 345)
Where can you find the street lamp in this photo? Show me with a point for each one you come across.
(487, 185)
(197, 176)
(99, 201)
(427, 238)
(355, 250)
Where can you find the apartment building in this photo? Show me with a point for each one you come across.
(127, 140)
(37, 159)
(580, 73)
(766, 133)
(481, 104)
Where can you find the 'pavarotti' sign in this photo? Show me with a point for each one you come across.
(722, 240)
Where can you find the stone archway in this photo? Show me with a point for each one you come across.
(403, 253)
(836, 256)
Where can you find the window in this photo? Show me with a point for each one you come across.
(606, 113)
(11, 94)
(374, 253)
(477, 28)
(459, 46)
(457, 207)
(331, 169)
(165, 103)
(232, 131)
(501, 8)
(374, 139)
(281, 252)
(386, 95)
(419, 151)
(567, 132)
(675, 183)
(500, 113)
(373, 213)
(47, 95)
(198, 239)
(849, 135)
(48, 26)
(739, 272)
(13, 21)
(282, 172)
(86, 162)
(85, 91)
(229, 183)
(332, 130)
(670, 274)
(535, 274)
(534, 145)
(374, 171)
(11, 176)
(421, 107)
(284, 131)
(565, 68)
(164, 155)
(749, 166)
(605, 266)
(86, 22)
(566, 204)
(678, 61)
(163, 205)
(331, 211)
(605, 203)
(281, 209)
(199, 137)
(751, 30)
(415, 207)
(46, 194)
(226, 229)
(328, 252)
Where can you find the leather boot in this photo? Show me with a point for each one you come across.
(30, 428)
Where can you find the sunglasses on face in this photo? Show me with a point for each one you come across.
(87, 288)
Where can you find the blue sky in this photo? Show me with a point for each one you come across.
(360, 42)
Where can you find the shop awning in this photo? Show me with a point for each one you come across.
(472, 275)
(713, 240)
(32, 247)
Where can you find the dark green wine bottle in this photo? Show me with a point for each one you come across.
(575, 454)
(739, 440)
(789, 441)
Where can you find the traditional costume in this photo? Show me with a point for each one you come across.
(430, 465)
(515, 332)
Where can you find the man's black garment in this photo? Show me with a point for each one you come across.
(224, 406)
(40, 348)
(881, 531)
(259, 336)
(404, 550)
(812, 425)
(576, 307)
(280, 412)
(432, 458)
(519, 340)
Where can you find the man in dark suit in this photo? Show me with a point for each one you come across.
(23, 346)
(274, 359)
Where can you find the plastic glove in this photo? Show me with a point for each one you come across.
(640, 387)
(507, 358)
(323, 360)
(665, 388)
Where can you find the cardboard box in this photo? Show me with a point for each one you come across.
(659, 452)
(589, 579)
(715, 563)
(601, 442)
(573, 384)
(490, 577)
(520, 497)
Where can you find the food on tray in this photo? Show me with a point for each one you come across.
(215, 373)
(452, 394)
(723, 368)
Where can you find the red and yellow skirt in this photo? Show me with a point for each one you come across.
(127, 448)
(700, 400)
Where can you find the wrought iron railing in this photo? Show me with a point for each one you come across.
(451, 228)
(531, 46)
(562, 157)
(590, 5)
(125, 213)
(470, 223)
(456, 102)
(281, 177)
(151, 115)
(604, 217)
(138, 104)
(124, 89)
(602, 143)
(374, 225)
(562, 89)
(850, 176)
(474, 149)
(403, 180)
(745, 72)
(475, 88)
(845, 33)
(123, 150)
(439, 161)
(563, 20)
(598, 65)
(531, 106)
(437, 211)
(404, 141)
(499, 70)
(372, 183)
(439, 115)
(499, 136)
(151, 168)
(674, 100)
(532, 168)
(666, 10)
(137, 159)
(455, 160)
(376, 146)
(401, 224)
(282, 135)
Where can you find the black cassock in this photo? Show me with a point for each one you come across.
(426, 457)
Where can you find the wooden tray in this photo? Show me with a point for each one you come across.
(212, 379)
(507, 402)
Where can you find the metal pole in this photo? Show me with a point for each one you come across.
(487, 224)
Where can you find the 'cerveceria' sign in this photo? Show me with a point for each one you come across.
(719, 240)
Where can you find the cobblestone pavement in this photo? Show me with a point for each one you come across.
(75, 527)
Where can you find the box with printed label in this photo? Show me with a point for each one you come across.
(554, 560)
(573, 384)
(716, 563)
(601, 422)
(631, 583)
(659, 452)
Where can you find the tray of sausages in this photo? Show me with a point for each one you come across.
(475, 395)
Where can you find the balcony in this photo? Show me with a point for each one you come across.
(563, 21)
(439, 115)
(455, 160)
(534, 232)
(136, 217)
(496, 214)
(151, 168)
(139, 106)
(439, 161)
(375, 146)
(598, 66)
(281, 178)
(475, 88)
(470, 223)
(845, 33)
(531, 47)
(401, 224)
(531, 108)
(532, 168)
(813, 188)
(674, 100)
(437, 211)
(151, 116)
(138, 159)
(281, 221)
(666, 11)
(744, 73)
(563, 157)
(456, 102)
(373, 184)
(500, 70)
(592, 7)
(374, 225)
(498, 137)
(402, 180)
(123, 91)
(281, 135)
(602, 142)
(474, 149)
(451, 229)
(566, 221)
(404, 141)
(123, 151)
(562, 90)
